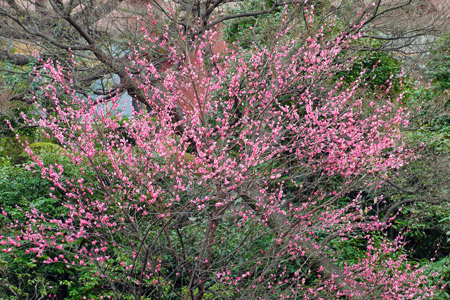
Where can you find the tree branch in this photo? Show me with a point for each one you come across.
(396, 205)
(315, 261)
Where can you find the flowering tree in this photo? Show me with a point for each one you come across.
(235, 181)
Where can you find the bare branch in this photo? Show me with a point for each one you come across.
(396, 205)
